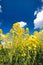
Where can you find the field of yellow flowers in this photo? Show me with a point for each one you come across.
(18, 47)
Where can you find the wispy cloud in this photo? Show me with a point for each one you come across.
(35, 13)
(41, 0)
(22, 24)
(0, 9)
(38, 21)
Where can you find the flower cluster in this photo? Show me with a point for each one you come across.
(18, 47)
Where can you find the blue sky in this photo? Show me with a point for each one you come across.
(19, 10)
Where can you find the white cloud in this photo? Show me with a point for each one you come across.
(38, 21)
(22, 24)
(0, 9)
(35, 13)
(41, 0)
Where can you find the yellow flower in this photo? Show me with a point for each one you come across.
(0, 31)
(1, 46)
(20, 31)
(12, 31)
(34, 45)
(16, 25)
(29, 57)
(27, 30)
(7, 36)
(29, 48)
(23, 54)
(34, 49)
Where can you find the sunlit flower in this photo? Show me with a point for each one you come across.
(23, 54)
(20, 47)
(0, 31)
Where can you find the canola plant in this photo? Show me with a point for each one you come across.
(18, 47)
